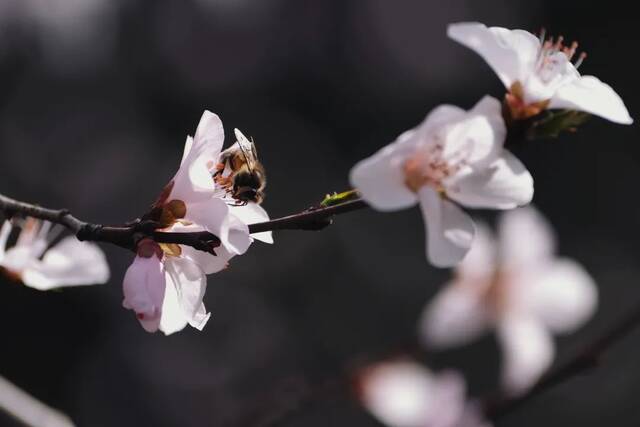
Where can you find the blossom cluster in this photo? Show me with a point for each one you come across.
(511, 283)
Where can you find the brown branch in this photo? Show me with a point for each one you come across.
(127, 236)
(581, 363)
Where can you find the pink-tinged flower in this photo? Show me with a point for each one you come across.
(454, 157)
(405, 394)
(165, 291)
(166, 283)
(67, 263)
(517, 287)
(539, 74)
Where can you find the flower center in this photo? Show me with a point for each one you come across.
(548, 65)
(428, 166)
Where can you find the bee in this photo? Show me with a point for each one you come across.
(240, 172)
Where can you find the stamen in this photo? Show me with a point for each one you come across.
(580, 60)
(542, 35)
(558, 45)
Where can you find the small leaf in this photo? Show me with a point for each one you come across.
(339, 198)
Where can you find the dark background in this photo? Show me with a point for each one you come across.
(96, 98)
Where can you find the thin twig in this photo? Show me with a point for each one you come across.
(127, 236)
(583, 362)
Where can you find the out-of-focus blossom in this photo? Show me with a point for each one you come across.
(518, 287)
(166, 283)
(539, 74)
(406, 394)
(73, 33)
(68, 262)
(453, 157)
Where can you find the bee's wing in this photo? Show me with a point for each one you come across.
(247, 147)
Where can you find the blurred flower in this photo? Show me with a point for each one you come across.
(519, 288)
(166, 283)
(67, 263)
(406, 394)
(539, 74)
(453, 156)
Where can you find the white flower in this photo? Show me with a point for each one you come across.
(67, 263)
(166, 283)
(454, 156)
(406, 394)
(539, 73)
(519, 288)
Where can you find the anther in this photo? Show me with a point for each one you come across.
(580, 60)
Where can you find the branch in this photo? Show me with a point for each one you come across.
(582, 363)
(127, 236)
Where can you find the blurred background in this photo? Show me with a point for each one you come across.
(96, 98)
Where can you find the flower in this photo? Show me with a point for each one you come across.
(519, 288)
(166, 283)
(403, 393)
(32, 261)
(539, 74)
(454, 156)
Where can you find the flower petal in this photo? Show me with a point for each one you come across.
(504, 184)
(478, 138)
(193, 180)
(535, 255)
(143, 288)
(449, 230)
(214, 216)
(69, 263)
(399, 394)
(455, 316)
(209, 137)
(5, 231)
(564, 297)
(190, 283)
(380, 178)
(253, 213)
(510, 53)
(591, 95)
(480, 263)
(528, 352)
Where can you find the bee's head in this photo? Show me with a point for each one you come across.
(248, 186)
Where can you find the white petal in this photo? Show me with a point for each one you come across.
(504, 184)
(173, 318)
(540, 241)
(209, 135)
(209, 263)
(193, 180)
(214, 215)
(253, 213)
(187, 149)
(190, 283)
(380, 178)
(564, 297)
(455, 316)
(510, 53)
(591, 95)
(143, 287)
(440, 116)
(400, 394)
(449, 230)
(69, 263)
(480, 263)
(5, 231)
(528, 352)
(477, 139)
